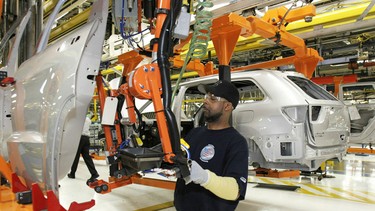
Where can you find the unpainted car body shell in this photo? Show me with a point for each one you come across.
(50, 100)
(5, 121)
(268, 129)
(10, 68)
(363, 128)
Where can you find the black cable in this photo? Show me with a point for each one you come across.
(140, 125)
(121, 101)
(283, 18)
(164, 66)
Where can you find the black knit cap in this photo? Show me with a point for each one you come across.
(224, 89)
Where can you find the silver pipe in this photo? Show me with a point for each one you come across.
(14, 5)
(339, 29)
(369, 7)
(39, 17)
(5, 15)
(31, 32)
(43, 38)
(4, 30)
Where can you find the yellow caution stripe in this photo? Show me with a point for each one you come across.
(322, 191)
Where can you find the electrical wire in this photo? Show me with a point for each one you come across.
(129, 37)
(283, 18)
(106, 85)
(187, 151)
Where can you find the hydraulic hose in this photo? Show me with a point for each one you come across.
(200, 38)
(140, 126)
(164, 66)
(202, 30)
(121, 101)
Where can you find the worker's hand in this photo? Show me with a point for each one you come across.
(197, 174)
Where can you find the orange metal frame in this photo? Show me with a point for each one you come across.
(146, 80)
(130, 60)
(146, 84)
(106, 128)
(5, 169)
(160, 18)
(9, 202)
(227, 29)
(195, 65)
(336, 80)
(276, 174)
(135, 179)
(354, 150)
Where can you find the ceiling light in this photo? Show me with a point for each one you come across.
(346, 42)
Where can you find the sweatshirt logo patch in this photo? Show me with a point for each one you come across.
(243, 179)
(207, 153)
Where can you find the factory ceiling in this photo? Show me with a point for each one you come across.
(342, 31)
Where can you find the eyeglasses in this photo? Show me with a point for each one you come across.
(213, 98)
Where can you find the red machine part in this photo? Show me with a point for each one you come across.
(51, 203)
(39, 201)
(6, 81)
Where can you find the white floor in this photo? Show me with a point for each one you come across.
(352, 188)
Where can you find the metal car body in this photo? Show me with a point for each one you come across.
(360, 99)
(9, 69)
(50, 99)
(288, 121)
(5, 120)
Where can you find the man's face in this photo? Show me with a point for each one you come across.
(213, 107)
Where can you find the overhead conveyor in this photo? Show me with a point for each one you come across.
(344, 19)
(227, 29)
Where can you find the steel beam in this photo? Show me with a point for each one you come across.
(371, 5)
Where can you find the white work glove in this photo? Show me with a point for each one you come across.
(197, 174)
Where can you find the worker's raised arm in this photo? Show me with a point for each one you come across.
(223, 187)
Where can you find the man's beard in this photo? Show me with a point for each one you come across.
(213, 117)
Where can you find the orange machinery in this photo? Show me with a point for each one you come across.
(151, 81)
(227, 29)
(9, 201)
(146, 83)
(335, 80)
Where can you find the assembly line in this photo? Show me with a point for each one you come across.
(190, 108)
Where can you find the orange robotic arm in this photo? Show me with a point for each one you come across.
(145, 83)
(152, 81)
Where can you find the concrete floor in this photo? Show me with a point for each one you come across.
(352, 188)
